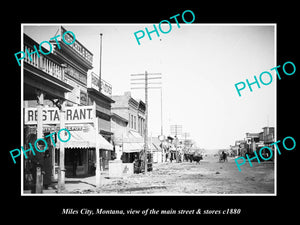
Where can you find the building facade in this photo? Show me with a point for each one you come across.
(44, 84)
(128, 126)
(56, 79)
(254, 141)
(77, 61)
(100, 93)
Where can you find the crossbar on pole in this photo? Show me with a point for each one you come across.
(148, 83)
(144, 88)
(142, 74)
(149, 78)
(138, 74)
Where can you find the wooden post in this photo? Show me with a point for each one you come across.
(39, 180)
(97, 148)
(61, 173)
(39, 175)
(146, 105)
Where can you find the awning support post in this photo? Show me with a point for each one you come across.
(97, 148)
(61, 173)
(40, 105)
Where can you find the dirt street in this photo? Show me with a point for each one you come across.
(208, 177)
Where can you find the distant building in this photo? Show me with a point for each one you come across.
(267, 137)
(128, 124)
(242, 147)
(255, 141)
(252, 141)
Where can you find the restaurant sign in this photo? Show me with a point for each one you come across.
(51, 115)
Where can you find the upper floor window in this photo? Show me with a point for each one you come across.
(135, 122)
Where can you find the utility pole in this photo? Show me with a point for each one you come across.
(145, 78)
(186, 134)
(176, 129)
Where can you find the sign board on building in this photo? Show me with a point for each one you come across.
(78, 47)
(75, 74)
(51, 115)
(94, 82)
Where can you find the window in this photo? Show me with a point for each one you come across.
(142, 126)
(135, 122)
(139, 124)
(131, 121)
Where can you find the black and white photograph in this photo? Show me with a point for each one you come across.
(148, 114)
(178, 113)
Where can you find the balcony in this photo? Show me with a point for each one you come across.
(45, 64)
(43, 73)
(93, 82)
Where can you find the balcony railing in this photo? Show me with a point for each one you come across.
(45, 64)
(93, 82)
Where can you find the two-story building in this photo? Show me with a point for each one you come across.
(128, 124)
(44, 82)
(100, 92)
(49, 80)
(267, 137)
(79, 61)
(255, 141)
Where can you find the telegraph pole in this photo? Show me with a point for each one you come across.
(145, 83)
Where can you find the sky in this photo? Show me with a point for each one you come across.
(199, 63)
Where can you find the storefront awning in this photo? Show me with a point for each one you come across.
(133, 142)
(87, 138)
(132, 147)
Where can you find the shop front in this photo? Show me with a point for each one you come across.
(79, 152)
(80, 155)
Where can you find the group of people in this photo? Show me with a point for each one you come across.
(223, 157)
(182, 157)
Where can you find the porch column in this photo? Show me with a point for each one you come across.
(97, 149)
(61, 173)
(39, 176)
